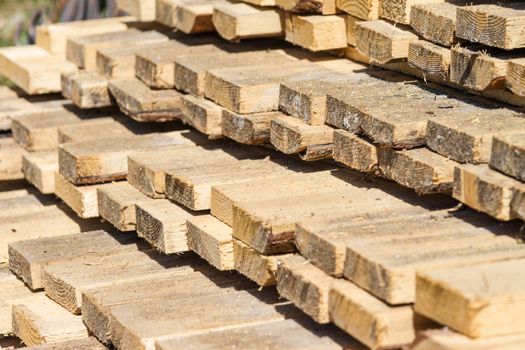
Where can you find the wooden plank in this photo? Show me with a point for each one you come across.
(163, 225)
(387, 268)
(383, 42)
(363, 9)
(419, 169)
(468, 139)
(369, 320)
(399, 11)
(39, 320)
(27, 258)
(316, 33)
(65, 281)
(191, 70)
(89, 343)
(10, 159)
(203, 115)
(119, 62)
(322, 7)
(514, 76)
(81, 199)
(241, 21)
(496, 285)
(196, 16)
(355, 152)
(33, 69)
(288, 334)
(99, 128)
(147, 169)
(304, 285)
(143, 10)
(250, 129)
(165, 12)
(157, 69)
(489, 191)
(191, 186)
(117, 204)
(12, 290)
(448, 340)
(435, 22)
(53, 37)
(477, 70)
(83, 50)
(11, 108)
(508, 154)
(290, 135)
(212, 240)
(432, 59)
(143, 104)
(253, 89)
(87, 89)
(264, 3)
(39, 169)
(257, 267)
(492, 25)
(82, 163)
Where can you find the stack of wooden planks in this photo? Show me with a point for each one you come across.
(390, 266)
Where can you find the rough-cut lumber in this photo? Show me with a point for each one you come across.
(83, 50)
(203, 115)
(290, 334)
(39, 320)
(435, 22)
(117, 204)
(166, 12)
(18, 107)
(322, 7)
(89, 343)
(33, 69)
(163, 225)
(191, 186)
(157, 69)
(86, 163)
(12, 290)
(362, 9)
(143, 104)
(399, 10)
(250, 129)
(448, 340)
(212, 240)
(316, 33)
(355, 152)
(99, 128)
(304, 285)
(81, 199)
(64, 281)
(492, 25)
(476, 70)
(86, 89)
(467, 137)
(508, 154)
(147, 169)
(258, 267)
(351, 21)
(430, 58)
(386, 266)
(369, 320)
(27, 258)
(143, 10)
(191, 72)
(119, 62)
(53, 37)
(39, 169)
(241, 21)
(290, 135)
(497, 287)
(11, 155)
(196, 16)
(489, 191)
(420, 169)
(253, 89)
(515, 76)
(382, 42)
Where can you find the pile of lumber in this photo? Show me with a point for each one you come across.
(358, 241)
